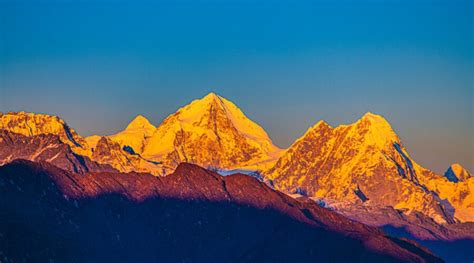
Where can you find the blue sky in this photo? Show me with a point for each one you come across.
(99, 63)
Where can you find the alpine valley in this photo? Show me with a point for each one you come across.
(207, 184)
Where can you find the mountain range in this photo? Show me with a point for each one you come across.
(366, 163)
(361, 171)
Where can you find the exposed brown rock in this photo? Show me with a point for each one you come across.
(48, 148)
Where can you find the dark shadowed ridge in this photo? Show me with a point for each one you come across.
(192, 215)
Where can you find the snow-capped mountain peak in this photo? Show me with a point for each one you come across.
(213, 132)
(366, 159)
(456, 173)
(135, 135)
(377, 130)
(140, 122)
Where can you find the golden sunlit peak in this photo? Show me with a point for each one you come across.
(211, 96)
(374, 118)
(31, 115)
(458, 168)
(202, 104)
(140, 122)
(320, 124)
(371, 115)
(29, 123)
(140, 117)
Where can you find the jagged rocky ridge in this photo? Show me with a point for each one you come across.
(48, 148)
(366, 164)
(31, 124)
(102, 150)
(367, 159)
(211, 132)
(51, 214)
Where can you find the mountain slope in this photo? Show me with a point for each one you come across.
(211, 132)
(365, 163)
(31, 124)
(124, 158)
(36, 136)
(46, 147)
(133, 217)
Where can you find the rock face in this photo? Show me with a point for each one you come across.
(31, 124)
(48, 148)
(211, 132)
(108, 151)
(365, 163)
(178, 218)
(36, 136)
(124, 158)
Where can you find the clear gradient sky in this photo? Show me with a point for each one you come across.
(98, 64)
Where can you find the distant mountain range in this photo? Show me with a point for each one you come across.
(361, 170)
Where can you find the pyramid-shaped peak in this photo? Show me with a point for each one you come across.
(322, 123)
(207, 106)
(216, 126)
(140, 122)
(204, 105)
(213, 98)
(315, 130)
(319, 125)
(456, 172)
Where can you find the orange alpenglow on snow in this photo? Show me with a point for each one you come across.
(136, 134)
(366, 163)
(211, 132)
(456, 173)
(363, 163)
(31, 124)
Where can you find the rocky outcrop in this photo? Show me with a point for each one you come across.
(97, 151)
(47, 148)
